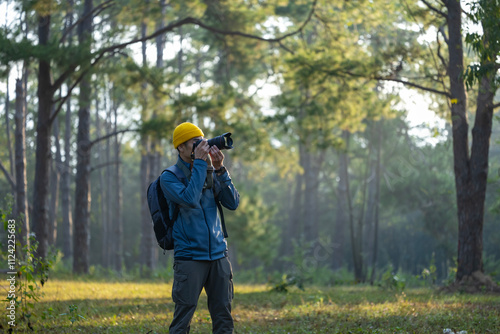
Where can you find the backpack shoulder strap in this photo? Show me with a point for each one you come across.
(179, 174)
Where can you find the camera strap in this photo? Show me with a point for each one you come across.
(209, 179)
(222, 222)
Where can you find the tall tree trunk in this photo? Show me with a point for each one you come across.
(311, 177)
(377, 205)
(356, 252)
(7, 126)
(471, 171)
(472, 192)
(67, 218)
(156, 150)
(180, 56)
(292, 230)
(148, 243)
(109, 196)
(117, 219)
(21, 212)
(82, 193)
(147, 238)
(45, 95)
(360, 227)
(100, 177)
(370, 208)
(342, 212)
(54, 186)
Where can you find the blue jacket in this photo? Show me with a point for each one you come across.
(197, 231)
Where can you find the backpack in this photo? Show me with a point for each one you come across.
(158, 207)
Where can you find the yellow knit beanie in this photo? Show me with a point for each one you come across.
(185, 131)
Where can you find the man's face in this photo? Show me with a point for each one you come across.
(186, 148)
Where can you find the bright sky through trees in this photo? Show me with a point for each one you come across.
(420, 118)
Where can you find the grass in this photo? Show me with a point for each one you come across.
(77, 306)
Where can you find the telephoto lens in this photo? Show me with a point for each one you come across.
(223, 142)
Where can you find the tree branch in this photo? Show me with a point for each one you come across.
(193, 21)
(104, 165)
(440, 56)
(8, 176)
(189, 20)
(496, 106)
(404, 82)
(441, 30)
(60, 81)
(434, 9)
(95, 141)
(414, 85)
(97, 9)
(65, 98)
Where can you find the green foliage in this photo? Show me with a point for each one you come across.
(452, 273)
(492, 266)
(429, 274)
(31, 272)
(304, 268)
(391, 280)
(72, 314)
(299, 263)
(485, 44)
(285, 282)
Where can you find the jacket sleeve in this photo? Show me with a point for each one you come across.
(228, 195)
(181, 194)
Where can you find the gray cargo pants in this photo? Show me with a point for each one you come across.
(190, 277)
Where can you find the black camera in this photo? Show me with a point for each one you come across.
(223, 142)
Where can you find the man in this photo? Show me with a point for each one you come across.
(200, 250)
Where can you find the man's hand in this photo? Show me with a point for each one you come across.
(201, 151)
(217, 157)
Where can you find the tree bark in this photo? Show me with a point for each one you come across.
(471, 197)
(45, 94)
(21, 212)
(7, 130)
(342, 213)
(370, 210)
(67, 218)
(109, 196)
(377, 205)
(311, 177)
(371, 203)
(101, 190)
(117, 219)
(147, 237)
(82, 193)
(471, 171)
(356, 252)
(295, 218)
(54, 186)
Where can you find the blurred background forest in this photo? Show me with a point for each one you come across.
(345, 173)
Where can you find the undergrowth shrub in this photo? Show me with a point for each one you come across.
(27, 273)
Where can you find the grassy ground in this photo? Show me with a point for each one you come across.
(142, 307)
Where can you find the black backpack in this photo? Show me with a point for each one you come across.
(158, 207)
